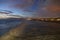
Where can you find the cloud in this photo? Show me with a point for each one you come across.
(23, 3)
(40, 8)
(4, 15)
(49, 9)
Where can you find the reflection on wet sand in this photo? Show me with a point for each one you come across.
(34, 30)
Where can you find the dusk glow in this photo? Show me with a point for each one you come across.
(29, 19)
(32, 8)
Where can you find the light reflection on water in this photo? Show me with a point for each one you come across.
(7, 24)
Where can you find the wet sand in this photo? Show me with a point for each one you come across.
(34, 30)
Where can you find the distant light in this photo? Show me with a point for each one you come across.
(52, 19)
(29, 18)
(58, 19)
(42, 19)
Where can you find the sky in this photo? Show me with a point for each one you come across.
(32, 8)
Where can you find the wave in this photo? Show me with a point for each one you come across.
(7, 24)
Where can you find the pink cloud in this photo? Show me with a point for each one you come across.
(48, 9)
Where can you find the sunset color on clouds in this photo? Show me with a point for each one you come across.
(32, 8)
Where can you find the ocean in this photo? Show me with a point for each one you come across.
(8, 24)
(31, 30)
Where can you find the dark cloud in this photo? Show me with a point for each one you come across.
(45, 8)
(40, 8)
(23, 3)
(56, 2)
(50, 9)
(54, 6)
